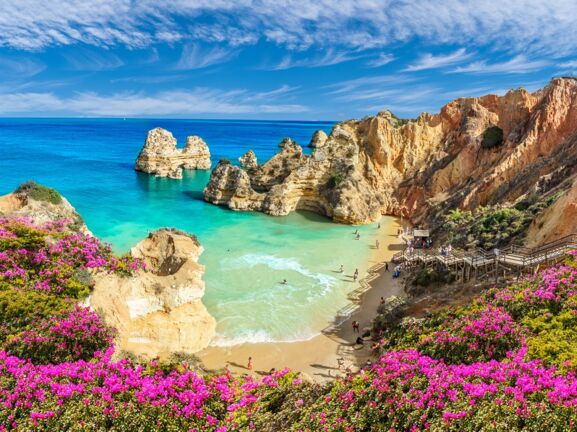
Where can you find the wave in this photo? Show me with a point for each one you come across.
(278, 263)
(260, 336)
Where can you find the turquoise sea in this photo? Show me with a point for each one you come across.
(247, 255)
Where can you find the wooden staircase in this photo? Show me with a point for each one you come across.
(478, 264)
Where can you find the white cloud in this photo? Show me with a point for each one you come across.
(196, 57)
(530, 26)
(572, 64)
(517, 65)
(91, 60)
(136, 104)
(329, 58)
(430, 61)
(381, 60)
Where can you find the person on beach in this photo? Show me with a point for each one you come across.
(382, 300)
(284, 282)
(356, 275)
(342, 269)
(379, 226)
(356, 327)
(249, 365)
(340, 362)
(386, 266)
(377, 243)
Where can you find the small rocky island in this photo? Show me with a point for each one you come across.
(162, 158)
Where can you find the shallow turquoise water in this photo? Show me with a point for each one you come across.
(246, 255)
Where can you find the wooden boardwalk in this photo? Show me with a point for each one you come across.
(478, 264)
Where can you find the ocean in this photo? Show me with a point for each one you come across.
(247, 255)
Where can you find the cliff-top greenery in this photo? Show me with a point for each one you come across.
(505, 362)
(39, 192)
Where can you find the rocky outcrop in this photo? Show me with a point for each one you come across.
(417, 168)
(28, 201)
(248, 161)
(161, 157)
(158, 311)
(318, 139)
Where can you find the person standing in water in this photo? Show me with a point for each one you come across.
(249, 365)
(356, 275)
(342, 269)
(377, 243)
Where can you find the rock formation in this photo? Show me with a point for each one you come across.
(319, 139)
(161, 157)
(158, 311)
(23, 202)
(248, 161)
(476, 151)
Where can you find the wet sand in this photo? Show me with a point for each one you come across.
(318, 356)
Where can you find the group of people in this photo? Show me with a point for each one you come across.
(445, 250)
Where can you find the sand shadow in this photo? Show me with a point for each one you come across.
(321, 366)
(396, 247)
(237, 365)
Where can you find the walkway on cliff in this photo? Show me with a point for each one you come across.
(476, 264)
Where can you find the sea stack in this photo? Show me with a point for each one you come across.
(318, 139)
(248, 160)
(158, 311)
(162, 158)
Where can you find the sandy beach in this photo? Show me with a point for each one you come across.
(318, 356)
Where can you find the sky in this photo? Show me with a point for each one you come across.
(265, 59)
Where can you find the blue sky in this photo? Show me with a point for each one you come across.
(291, 59)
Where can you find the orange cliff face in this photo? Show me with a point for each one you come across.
(420, 168)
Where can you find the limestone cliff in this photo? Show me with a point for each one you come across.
(161, 157)
(475, 151)
(159, 310)
(40, 205)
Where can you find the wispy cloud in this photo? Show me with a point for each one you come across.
(381, 60)
(20, 67)
(196, 57)
(329, 58)
(572, 64)
(517, 65)
(430, 61)
(91, 60)
(537, 26)
(178, 103)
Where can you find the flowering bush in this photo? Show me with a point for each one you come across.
(75, 335)
(47, 258)
(504, 363)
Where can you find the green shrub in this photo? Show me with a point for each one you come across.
(430, 276)
(335, 180)
(39, 192)
(492, 137)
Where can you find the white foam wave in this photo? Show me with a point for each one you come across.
(259, 336)
(286, 264)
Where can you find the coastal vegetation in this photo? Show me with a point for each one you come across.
(504, 362)
(39, 192)
(494, 226)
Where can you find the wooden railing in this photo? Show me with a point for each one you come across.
(479, 261)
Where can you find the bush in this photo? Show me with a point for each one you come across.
(335, 180)
(39, 192)
(492, 137)
(431, 276)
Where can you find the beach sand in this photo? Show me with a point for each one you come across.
(318, 356)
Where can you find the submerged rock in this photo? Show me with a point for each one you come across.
(161, 157)
(419, 168)
(248, 161)
(159, 310)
